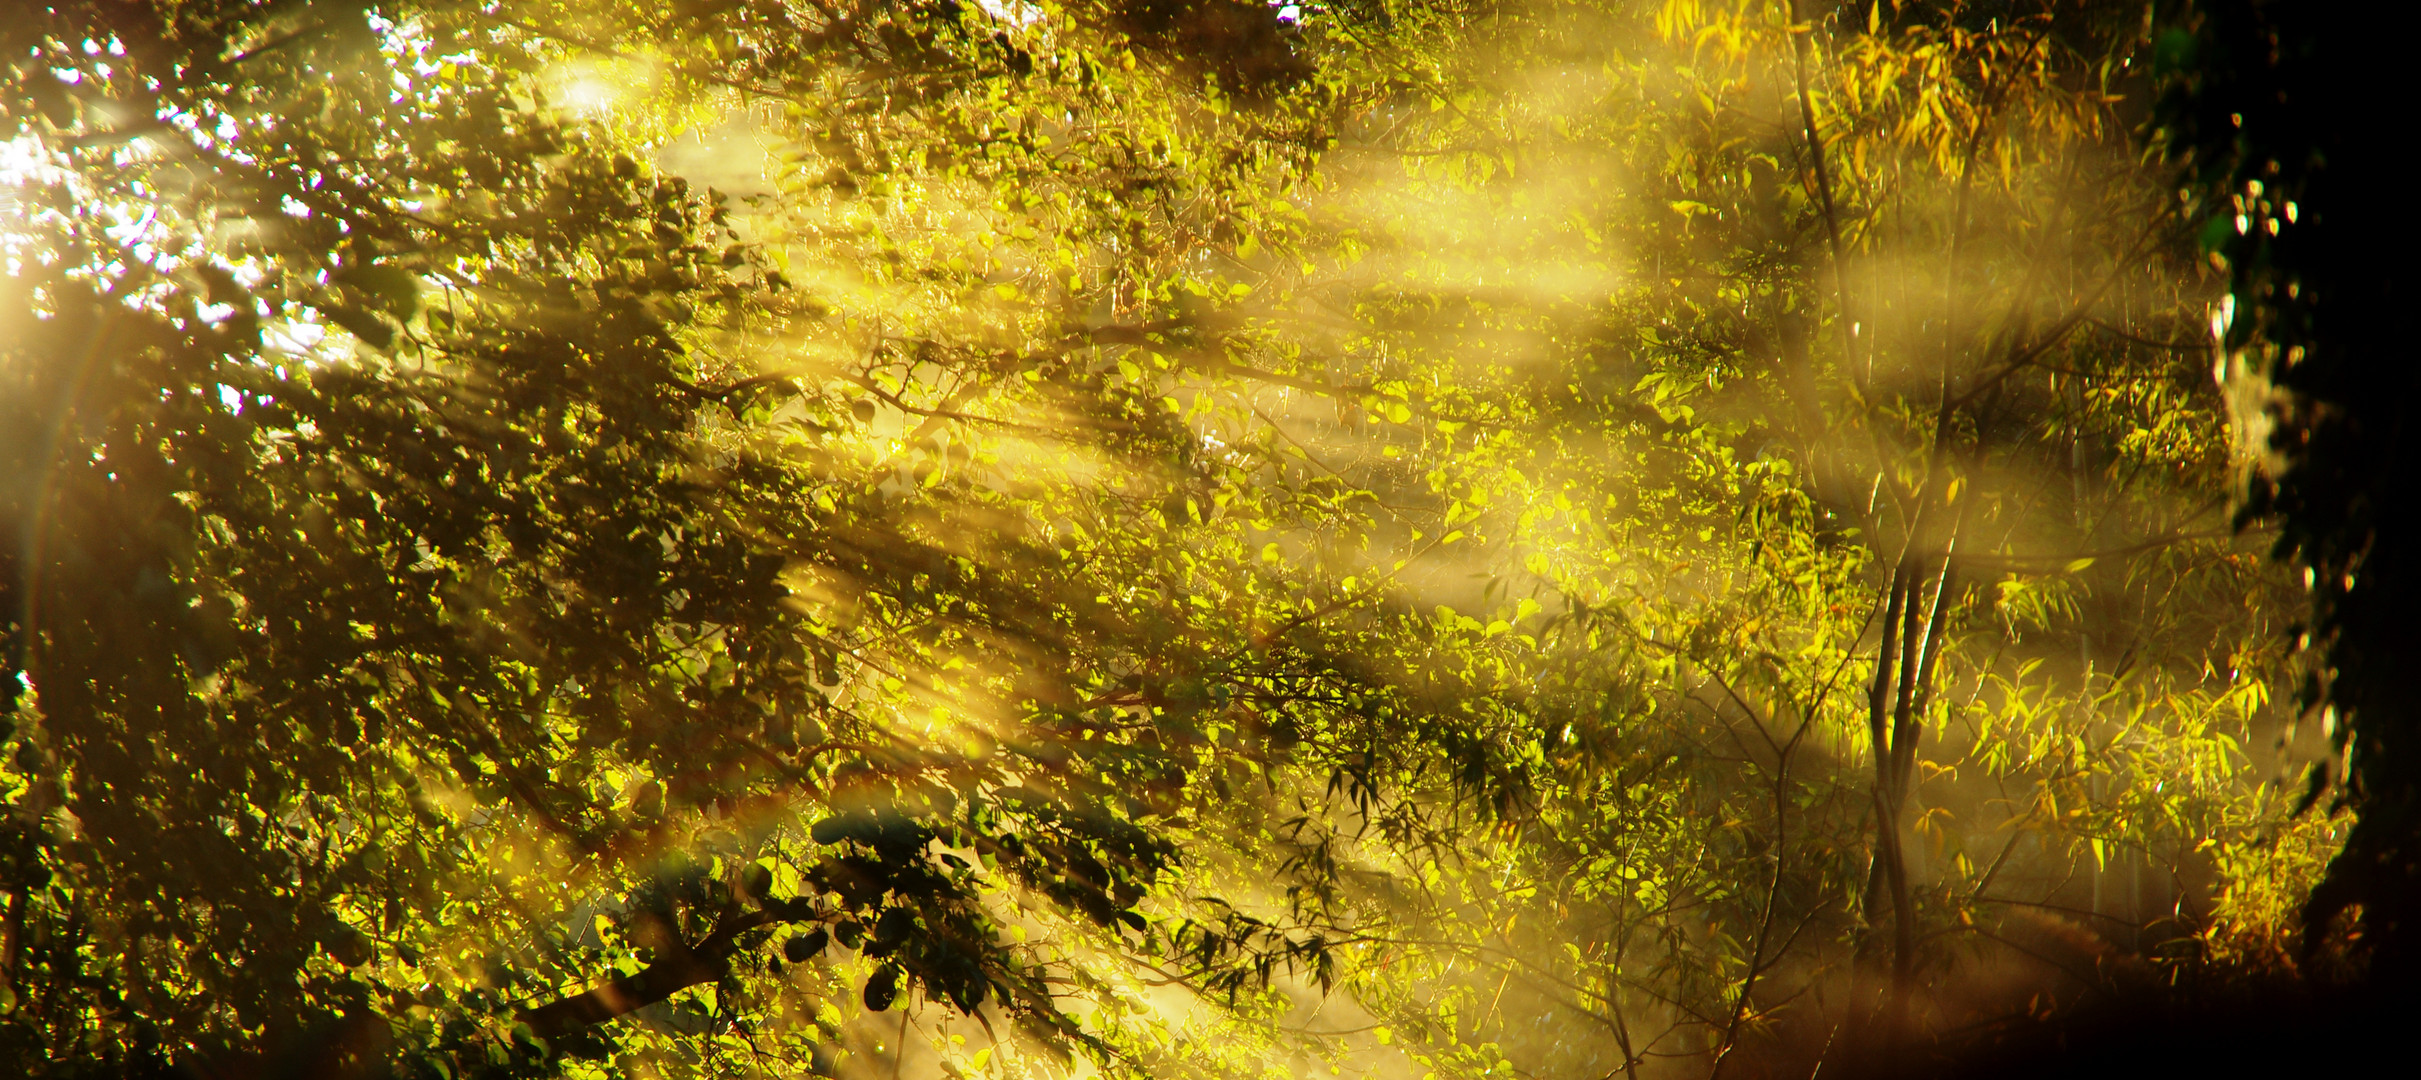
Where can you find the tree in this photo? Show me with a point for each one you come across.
(1735, 413)
(2299, 207)
(1383, 508)
(422, 608)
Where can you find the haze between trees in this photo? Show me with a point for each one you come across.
(1584, 539)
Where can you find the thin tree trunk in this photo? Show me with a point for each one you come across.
(1880, 871)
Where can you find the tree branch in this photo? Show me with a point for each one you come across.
(681, 967)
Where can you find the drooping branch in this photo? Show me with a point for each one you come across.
(1824, 200)
(1210, 359)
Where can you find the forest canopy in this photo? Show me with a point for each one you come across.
(1554, 538)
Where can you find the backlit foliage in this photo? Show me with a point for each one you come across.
(1168, 539)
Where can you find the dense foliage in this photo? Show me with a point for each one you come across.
(1569, 538)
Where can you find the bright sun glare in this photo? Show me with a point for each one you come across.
(24, 162)
(594, 89)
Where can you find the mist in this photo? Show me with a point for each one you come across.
(1544, 539)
